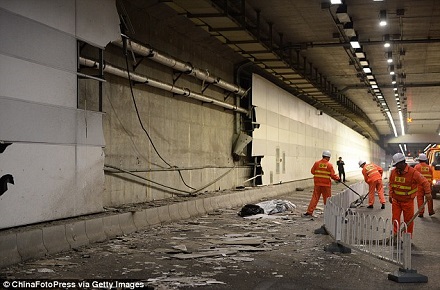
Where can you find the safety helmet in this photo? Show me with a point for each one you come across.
(326, 153)
(398, 157)
(422, 157)
(361, 162)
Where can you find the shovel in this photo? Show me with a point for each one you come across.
(394, 237)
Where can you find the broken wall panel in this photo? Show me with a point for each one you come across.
(56, 156)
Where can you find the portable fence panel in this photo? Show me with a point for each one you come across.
(367, 233)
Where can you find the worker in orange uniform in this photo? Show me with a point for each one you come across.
(373, 177)
(427, 171)
(323, 172)
(403, 184)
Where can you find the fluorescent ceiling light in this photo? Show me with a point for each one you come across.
(383, 18)
(387, 41)
(392, 123)
(402, 125)
(359, 53)
(363, 62)
(389, 57)
(342, 15)
(355, 43)
(370, 77)
(367, 70)
(336, 1)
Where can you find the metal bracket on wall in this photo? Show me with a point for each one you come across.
(227, 96)
(178, 76)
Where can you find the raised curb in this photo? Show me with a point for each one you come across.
(140, 219)
(54, 239)
(163, 214)
(111, 226)
(76, 234)
(152, 216)
(183, 210)
(126, 222)
(30, 244)
(95, 230)
(8, 250)
(173, 209)
(192, 208)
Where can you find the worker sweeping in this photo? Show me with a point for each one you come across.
(373, 177)
(403, 184)
(427, 171)
(323, 172)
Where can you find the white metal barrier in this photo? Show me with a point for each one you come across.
(366, 233)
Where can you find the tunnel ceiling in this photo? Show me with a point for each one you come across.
(305, 46)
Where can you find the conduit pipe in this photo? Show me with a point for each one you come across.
(160, 85)
(187, 68)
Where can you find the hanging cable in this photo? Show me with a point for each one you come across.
(139, 117)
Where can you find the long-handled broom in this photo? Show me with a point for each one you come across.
(358, 202)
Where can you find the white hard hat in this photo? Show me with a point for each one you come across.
(398, 157)
(361, 162)
(326, 153)
(422, 157)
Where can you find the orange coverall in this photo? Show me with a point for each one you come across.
(427, 171)
(323, 172)
(373, 177)
(402, 190)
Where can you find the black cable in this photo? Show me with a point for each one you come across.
(139, 117)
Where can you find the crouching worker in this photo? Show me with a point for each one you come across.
(373, 177)
(323, 172)
(404, 181)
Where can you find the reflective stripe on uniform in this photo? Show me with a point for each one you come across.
(407, 189)
(320, 173)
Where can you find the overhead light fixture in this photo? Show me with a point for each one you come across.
(370, 77)
(393, 79)
(355, 43)
(383, 18)
(349, 30)
(374, 86)
(392, 70)
(387, 42)
(359, 53)
(389, 56)
(363, 62)
(342, 15)
(336, 1)
(367, 70)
